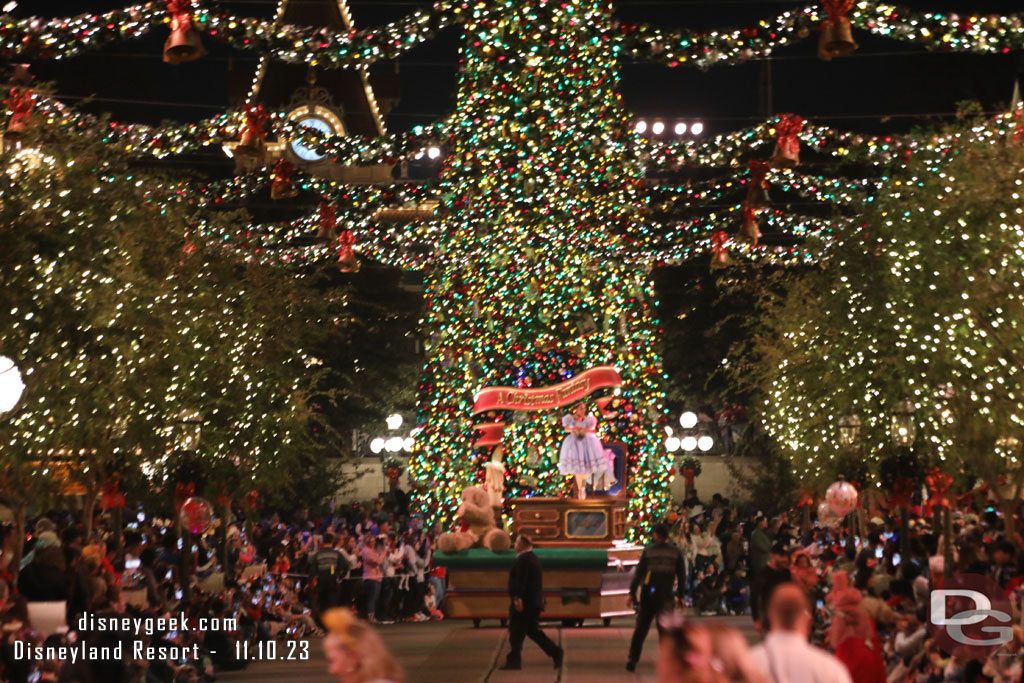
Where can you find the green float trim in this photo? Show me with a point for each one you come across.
(550, 558)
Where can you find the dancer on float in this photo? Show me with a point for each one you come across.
(582, 454)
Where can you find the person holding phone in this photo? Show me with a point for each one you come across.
(373, 574)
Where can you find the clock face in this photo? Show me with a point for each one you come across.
(303, 152)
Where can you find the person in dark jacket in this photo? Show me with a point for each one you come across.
(44, 580)
(330, 568)
(772, 576)
(661, 565)
(526, 591)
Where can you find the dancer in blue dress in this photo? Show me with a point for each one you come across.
(582, 454)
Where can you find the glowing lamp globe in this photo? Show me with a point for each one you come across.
(196, 515)
(904, 427)
(849, 429)
(11, 386)
(841, 498)
(672, 444)
(688, 420)
(689, 443)
(394, 421)
(705, 443)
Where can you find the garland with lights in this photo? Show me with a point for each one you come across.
(164, 141)
(64, 37)
(729, 149)
(934, 31)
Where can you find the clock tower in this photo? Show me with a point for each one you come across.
(334, 101)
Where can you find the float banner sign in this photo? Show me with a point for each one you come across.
(546, 398)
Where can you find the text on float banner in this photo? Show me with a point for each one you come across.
(544, 398)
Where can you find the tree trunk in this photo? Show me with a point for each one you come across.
(14, 567)
(805, 520)
(89, 511)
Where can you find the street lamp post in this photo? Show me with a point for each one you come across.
(904, 429)
(849, 429)
(190, 428)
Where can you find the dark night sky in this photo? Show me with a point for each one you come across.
(884, 78)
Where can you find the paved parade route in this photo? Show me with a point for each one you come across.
(455, 652)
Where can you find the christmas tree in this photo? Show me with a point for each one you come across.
(530, 284)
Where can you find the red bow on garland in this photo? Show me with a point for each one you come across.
(750, 232)
(20, 102)
(786, 132)
(180, 12)
(719, 254)
(757, 183)
(255, 121)
(183, 492)
(112, 496)
(252, 500)
(328, 221)
(938, 486)
(282, 187)
(806, 500)
(346, 240)
(837, 10)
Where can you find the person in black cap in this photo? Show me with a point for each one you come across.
(773, 575)
(661, 565)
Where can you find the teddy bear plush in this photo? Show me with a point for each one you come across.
(479, 529)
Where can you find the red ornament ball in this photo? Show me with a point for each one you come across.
(196, 515)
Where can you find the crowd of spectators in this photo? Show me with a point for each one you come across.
(234, 589)
(866, 594)
(861, 596)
